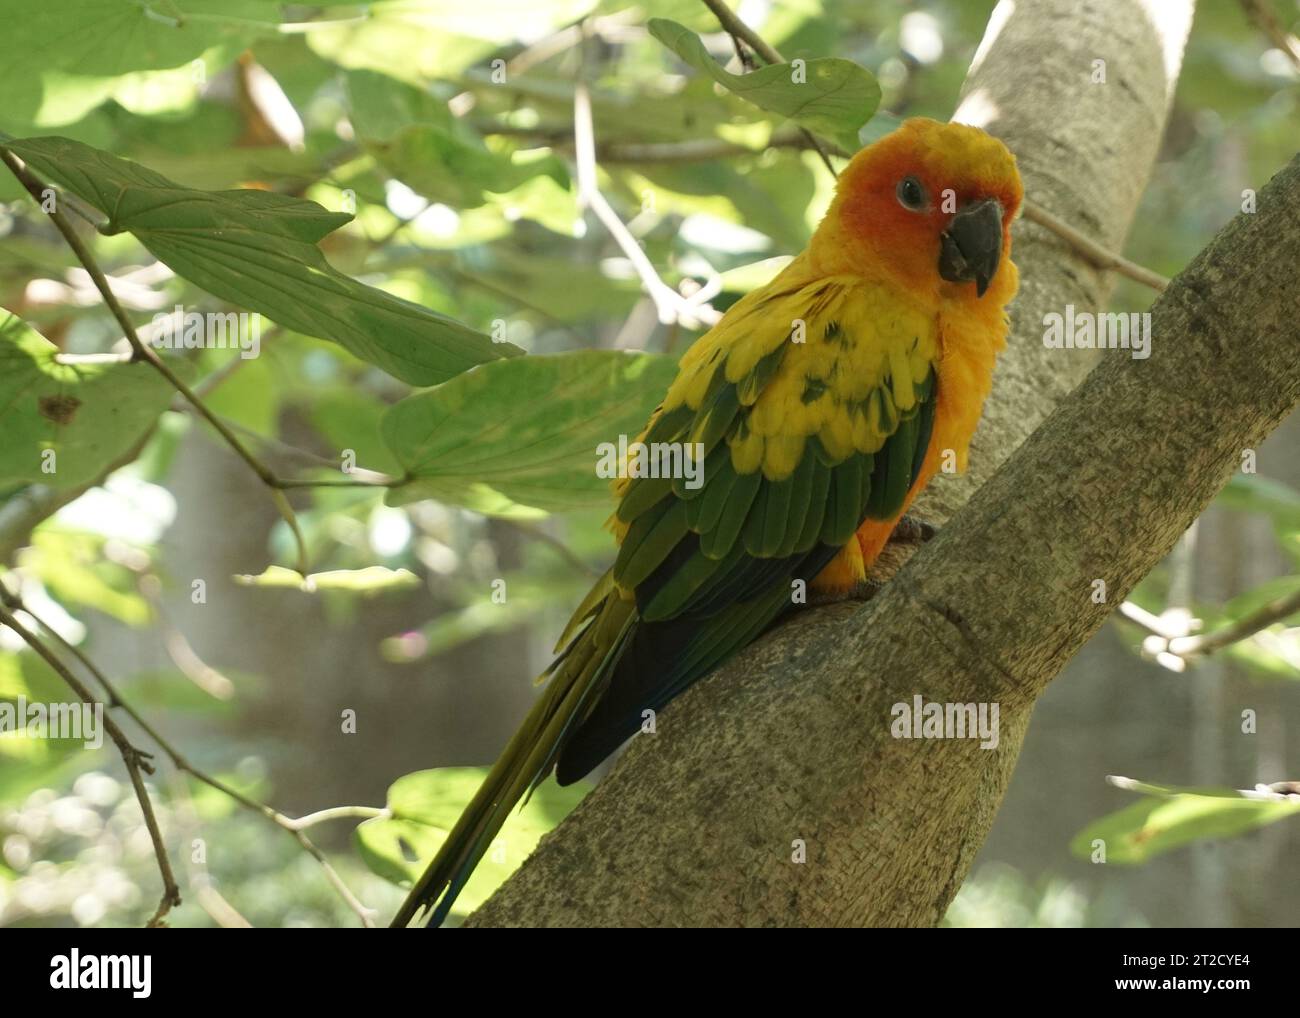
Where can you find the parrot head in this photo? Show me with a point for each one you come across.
(931, 204)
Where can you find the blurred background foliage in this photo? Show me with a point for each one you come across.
(448, 129)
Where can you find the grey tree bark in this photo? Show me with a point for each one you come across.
(790, 743)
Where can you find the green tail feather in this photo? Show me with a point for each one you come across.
(526, 761)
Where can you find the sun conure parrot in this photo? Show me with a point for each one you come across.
(824, 401)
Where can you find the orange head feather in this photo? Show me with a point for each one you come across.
(917, 207)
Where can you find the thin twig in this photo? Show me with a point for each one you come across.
(1202, 644)
(1277, 791)
(1259, 12)
(733, 26)
(178, 646)
(671, 305)
(1091, 250)
(565, 552)
(338, 813)
(181, 763)
(361, 477)
(739, 31)
(692, 150)
(695, 150)
(281, 501)
(1175, 640)
(209, 382)
(1153, 625)
(136, 760)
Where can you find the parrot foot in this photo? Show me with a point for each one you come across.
(913, 530)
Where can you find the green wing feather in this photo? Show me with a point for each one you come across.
(861, 452)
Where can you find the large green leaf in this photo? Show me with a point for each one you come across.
(832, 96)
(258, 250)
(523, 431)
(88, 415)
(1169, 818)
(424, 806)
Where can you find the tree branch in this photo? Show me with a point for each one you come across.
(788, 748)
(1093, 251)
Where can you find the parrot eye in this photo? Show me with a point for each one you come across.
(911, 194)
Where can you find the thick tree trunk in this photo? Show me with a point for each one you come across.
(788, 749)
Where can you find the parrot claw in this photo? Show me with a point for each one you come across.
(912, 530)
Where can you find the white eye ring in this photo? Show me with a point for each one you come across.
(911, 194)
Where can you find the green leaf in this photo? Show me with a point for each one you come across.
(481, 617)
(524, 431)
(64, 57)
(88, 414)
(370, 580)
(349, 419)
(27, 675)
(1169, 818)
(1275, 499)
(1270, 654)
(258, 250)
(832, 96)
(425, 806)
(635, 115)
(73, 567)
(171, 690)
(417, 139)
(567, 290)
(772, 198)
(1259, 494)
(422, 41)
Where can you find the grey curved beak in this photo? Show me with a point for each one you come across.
(971, 248)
